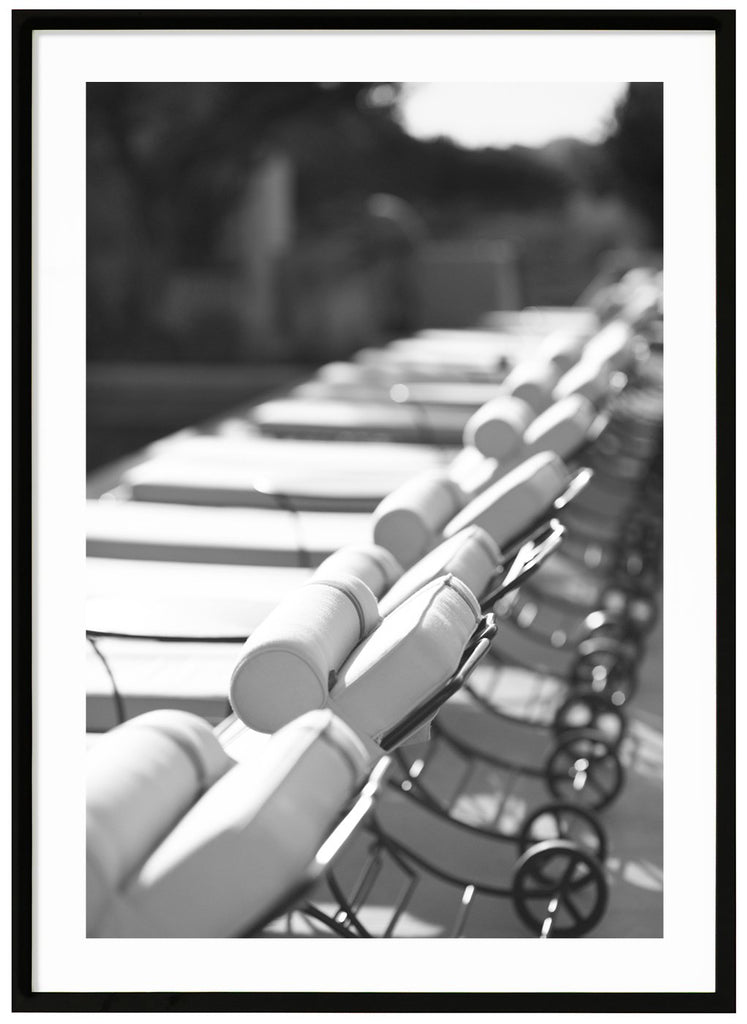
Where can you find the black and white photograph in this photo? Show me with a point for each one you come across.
(375, 403)
(370, 582)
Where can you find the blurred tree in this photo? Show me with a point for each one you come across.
(169, 162)
(636, 151)
(166, 165)
(585, 165)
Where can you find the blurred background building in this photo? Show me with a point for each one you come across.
(241, 233)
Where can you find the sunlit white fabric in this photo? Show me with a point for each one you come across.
(470, 555)
(613, 345)
(377, 567)
(533, 382)
(509, 506)
(347, 418)
(589, 378)
(236, 536)
(563, 428)
(248, 841)
(497, 429)
(140, 779)
(417, 647)
(409, 520)
(284, 667)
(563, 349)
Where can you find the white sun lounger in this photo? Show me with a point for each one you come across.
(347, 420)
(269, 473)
(191, 533)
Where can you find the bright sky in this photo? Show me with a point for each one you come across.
(509, 113)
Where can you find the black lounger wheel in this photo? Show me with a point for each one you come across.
(587, 709)
(613, 622)
(564, 821)
(584, 769)
(559, 890)
(604, 665)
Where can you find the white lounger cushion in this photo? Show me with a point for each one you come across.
(470, 555)
(474, 358)
(613, 344)
(345, 418)
(416, 649)
(285, 664)
(563, 428)
(510, 505)
(533, 382)
(201, 482)
(260, 454)
(329, 416)
(469, 395)
(377, 567)
(249, 840)
(236, 536)
(466, 394)
(140, 779)
(473, 471)
(150, 676)
(274, 473)
(563, 348)
(126, 595)
(541, 320)
(498, 427)
(644, 304)
(376, 367)
(590, 378)
(460, 338)
(408, 521)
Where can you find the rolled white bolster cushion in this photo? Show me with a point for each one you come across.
(465, 463)
(533, 382)
(562, 428)
(285, 665)
(589, 378)
(470, 556)
(563, 348)
(497, 428)
(140, 778)
(473, 471)
(486, 474)
(415, 650)
(613, 344)
(509, 506)
(409, 520)
(250, 839)
(377, 567)
(644, 304)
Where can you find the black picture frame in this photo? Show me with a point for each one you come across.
(25, 999)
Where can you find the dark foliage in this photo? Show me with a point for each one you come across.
(636, 152)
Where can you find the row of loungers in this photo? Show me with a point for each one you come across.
(366, 571)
